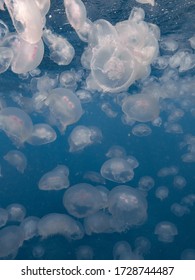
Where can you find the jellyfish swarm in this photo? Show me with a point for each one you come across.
(141, 107)
(16, 124)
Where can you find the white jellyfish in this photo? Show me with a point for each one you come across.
(179, 210)
(117, 170)
(166, 231)
(16, 124)
(141, 130)
(141, 107)
(122, 251)
(127, 205)
(82, 200)
(16, 159)
(84, 252)
(94, 177)
(162, 192)
(116, 151)
(30, 227)
(60, 224)
(179, 182)
(16, 212)
(146, 183)
(55, 179)
(42, 134)
(6, 57)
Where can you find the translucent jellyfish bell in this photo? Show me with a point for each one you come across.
(65, 107)
(16, 124)
(122, 251)
(16, 159)
(84, 252)
(30, 227)
(16, 212)
(117, 170)
(113, 69)
(162, 192)
(82, 200)
(141, 107)
(166, 231)
(56, 179)
(76, 13)
(26, 18)
(60, 224)
(127, 205)
(42, 134)
(141, 130)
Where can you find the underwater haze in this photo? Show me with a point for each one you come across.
(97, 129)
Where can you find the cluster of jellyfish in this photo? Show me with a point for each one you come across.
(115, 58)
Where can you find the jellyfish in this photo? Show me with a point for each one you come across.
(141, 130)
(179, 210)
(142, 246)
(60, 224)
(16, 159)
(84, 252)
(30, 227)
(116, 151)
(16, 124)
(76, 13)
(141, 107)
(38, 251)
(179, 182)
(42, 134)
(166, 231)
(16, 212)
(6, 57)
(94, 177)
(122, 251)
(117, 170)
(162, 192)
(127, 205)
(188, 254)
(64, 106)
(55, 179)
(146, 183)
(11, 239)
(82, 200)
(26, 18)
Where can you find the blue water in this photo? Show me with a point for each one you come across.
(153, 152)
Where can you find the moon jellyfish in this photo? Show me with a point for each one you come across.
(38, 251)
(82, 200)
(132, 161)
(179, 210)
(146, 183)
(30, 227)
(26, 18)
(168, 171)
(122, 251)
(3, 217)
(141, 130)
(117, 170)
(61, 51)
(16, 159)
(11, 239)
(56, 179)
(142, 246)
(84, 252)
(128, 206)
(76, 13)
(83, 136)
(42, 134)
(100, 222)
(16, 212)
(16, 124)
(104, 194)
(65, 107)
(60, 224)
(166, 231)
(94, 177)
(116, 151)
(162, 192)
(179, 182)
(141, 107)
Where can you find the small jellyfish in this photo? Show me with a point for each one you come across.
(141, 107)
(188, 254)
(116, 151)
(83, 136)
(16, 159)
(179, 182)
(82, 200)
(38, 251)
(84, 252)
(94, 177)
(56, 179)
(117, 170)
(64, 106)
(168, 171)
(42, 134)
(166, 231)
(179, 210)
(3, 217)
(141, 130)
(142, 245)
(16, 124)
(162, 192)
(76, 13)
(6, 56)
(60, 224)
(146, 183)
(127, 205)
(11, 239)
(122, 251)
(16, 212)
